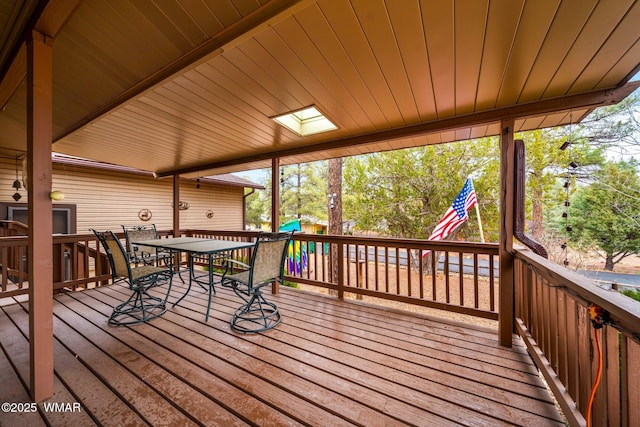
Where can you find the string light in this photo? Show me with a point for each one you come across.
(567, 184)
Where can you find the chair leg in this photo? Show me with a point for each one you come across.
(140, 307)
(257, 315)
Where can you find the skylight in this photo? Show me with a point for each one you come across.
(306, 122)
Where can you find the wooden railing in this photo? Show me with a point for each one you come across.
(553, 318)
(390, 269)
(77, 263)
(12, 228)
(551, 302)
(393, 269)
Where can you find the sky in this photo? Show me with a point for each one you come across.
(256, 175)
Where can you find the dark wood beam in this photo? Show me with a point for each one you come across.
(583, 100)
(506, 319)
(48, 19)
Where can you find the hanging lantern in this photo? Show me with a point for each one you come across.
(16, 184)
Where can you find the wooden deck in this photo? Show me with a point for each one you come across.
(329, 363)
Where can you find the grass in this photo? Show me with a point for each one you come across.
(632, 293)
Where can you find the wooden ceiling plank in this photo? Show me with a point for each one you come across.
(532, 29)
(138, 31)
(470, 21)
(180, 127)
(274, 10)
(439, 28)
(239, 92)
(336, 71)
(625, 63)
(408, 30)
(224, 11)
(51, 17)
(14, 76)
(162, 27)
(255, 67)
(244, 7)
(462, 134)
(502, 23)
(478, 132)
(169, 127)
(565, 29)
(376, 24)
(590, 99)
(246, 90)
(318, 29)
(115, 40)
(88, 60)
(350, 35)
(618, 42)
(577, 59)
(205, 105)
(183, 21)
(204, 16)
(326, 90)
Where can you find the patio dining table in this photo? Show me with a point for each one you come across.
(198, 247)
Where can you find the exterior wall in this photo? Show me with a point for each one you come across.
(106, 199)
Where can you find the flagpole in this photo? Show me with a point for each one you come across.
(478, 215)
(479, 223)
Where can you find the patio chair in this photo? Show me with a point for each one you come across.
(140, 306)
(267, 265)
(148, 255)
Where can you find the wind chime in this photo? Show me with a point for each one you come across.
(567, 184)
(16, 184)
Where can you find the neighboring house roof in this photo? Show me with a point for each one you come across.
(225, 179)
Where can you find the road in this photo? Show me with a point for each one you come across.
(611, 278)
(483, 268)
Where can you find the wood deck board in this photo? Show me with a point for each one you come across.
(328, 363)
(147, 340)
(368, 415)
(483, 342)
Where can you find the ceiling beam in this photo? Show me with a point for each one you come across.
(266, 15)
(47, 19)
(565, 103)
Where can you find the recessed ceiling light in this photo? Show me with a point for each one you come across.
(306, 121)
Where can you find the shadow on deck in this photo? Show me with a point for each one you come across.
(328, 363)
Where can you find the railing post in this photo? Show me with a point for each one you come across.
(507, 211)
(340, 277)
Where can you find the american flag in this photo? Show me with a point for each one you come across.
(457, 213)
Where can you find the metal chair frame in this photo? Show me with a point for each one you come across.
(148, 255)
(266, 266)
(141, 306)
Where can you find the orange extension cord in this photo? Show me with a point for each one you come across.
(598, 375)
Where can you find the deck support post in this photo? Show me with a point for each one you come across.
(39, 180)
(177, 258)
(506, 321)
(275, 206)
